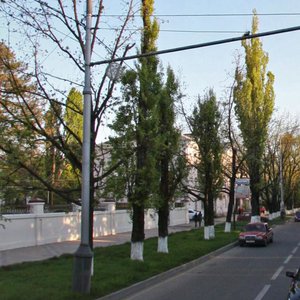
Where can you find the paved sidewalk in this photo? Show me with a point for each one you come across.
(42, 252)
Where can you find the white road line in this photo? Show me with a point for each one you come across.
(276, 274)
(263, 292)
(287, 259)
(295, 250)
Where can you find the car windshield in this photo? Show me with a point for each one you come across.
(256, 227)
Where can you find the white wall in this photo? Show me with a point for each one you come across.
(37, 229)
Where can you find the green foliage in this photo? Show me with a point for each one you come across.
(20, 146)
(171, 166)
(254, 100)
(135, 144)
(113, 270)
(74, 117)
(254, 95)
(205, 124)
(205, 130)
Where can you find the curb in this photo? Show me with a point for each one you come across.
(137, 287)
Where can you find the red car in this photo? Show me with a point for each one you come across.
(256, 234)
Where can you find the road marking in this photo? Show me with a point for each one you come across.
(276, 274)
(287, 259)
(295, 250)
(263, 292)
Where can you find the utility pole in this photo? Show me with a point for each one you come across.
(282, 208)
(82, 269)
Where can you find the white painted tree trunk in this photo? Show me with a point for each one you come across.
(206, 232)
(92, 266)
(162, 245)
(255, 219)
(137, 251)
(212, 231)
(227, 227)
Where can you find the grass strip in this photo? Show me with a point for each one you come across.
(113, 268)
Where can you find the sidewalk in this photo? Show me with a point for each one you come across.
(42, 252)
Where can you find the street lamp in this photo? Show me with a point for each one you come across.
(83, 257)
(282, 208)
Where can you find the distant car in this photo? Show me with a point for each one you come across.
(297, 216)
(192, 214)
(294, 290)
(258, 233)
(244, 216)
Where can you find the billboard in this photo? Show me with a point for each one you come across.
(242, 188)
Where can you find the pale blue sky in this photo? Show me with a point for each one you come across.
(210, 67)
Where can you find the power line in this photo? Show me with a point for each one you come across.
(228, 15)
(214, 15)
(178, 30)
(213, 43)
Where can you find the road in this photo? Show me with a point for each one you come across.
(248, 273)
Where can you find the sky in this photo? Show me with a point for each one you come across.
(191, 22)
(184, 23)
(212, 67)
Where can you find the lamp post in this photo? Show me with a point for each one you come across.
(83, 257)
(282, 208)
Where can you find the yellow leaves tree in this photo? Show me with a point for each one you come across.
(254, 100)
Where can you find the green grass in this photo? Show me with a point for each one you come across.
(113, 269)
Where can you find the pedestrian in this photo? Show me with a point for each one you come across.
(196, 218)
(200, 218)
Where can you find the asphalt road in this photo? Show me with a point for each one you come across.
(246, 273)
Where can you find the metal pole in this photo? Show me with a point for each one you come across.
(282, 209)
(83, 256)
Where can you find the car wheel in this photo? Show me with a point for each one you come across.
(265, 243)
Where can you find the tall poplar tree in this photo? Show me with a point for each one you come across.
(205, 129)
(73, 135)
(136, 131)
(149, 90)
(74, 117)
(171, 166)
(254, 100)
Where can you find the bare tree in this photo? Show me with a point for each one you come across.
(233, 156)
(56, 31)
(281, 164)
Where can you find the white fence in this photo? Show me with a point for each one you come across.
(42, 228)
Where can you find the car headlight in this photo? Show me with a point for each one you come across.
(242, 237)
(259, 237)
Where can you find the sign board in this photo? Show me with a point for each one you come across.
(242, 188)
(242, 181)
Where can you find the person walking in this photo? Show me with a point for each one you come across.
(199, 218)
(196, 218)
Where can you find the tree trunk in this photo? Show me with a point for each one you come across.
(163, 211)
(163, 222)
(230, 205)
(255, 192)
(231, 192)
(137, 234)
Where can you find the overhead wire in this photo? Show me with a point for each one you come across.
(214, 15)
(179, 30)
(247, 35)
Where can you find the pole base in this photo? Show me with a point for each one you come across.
(82, 269)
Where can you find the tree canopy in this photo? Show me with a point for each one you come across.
(254, 100)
